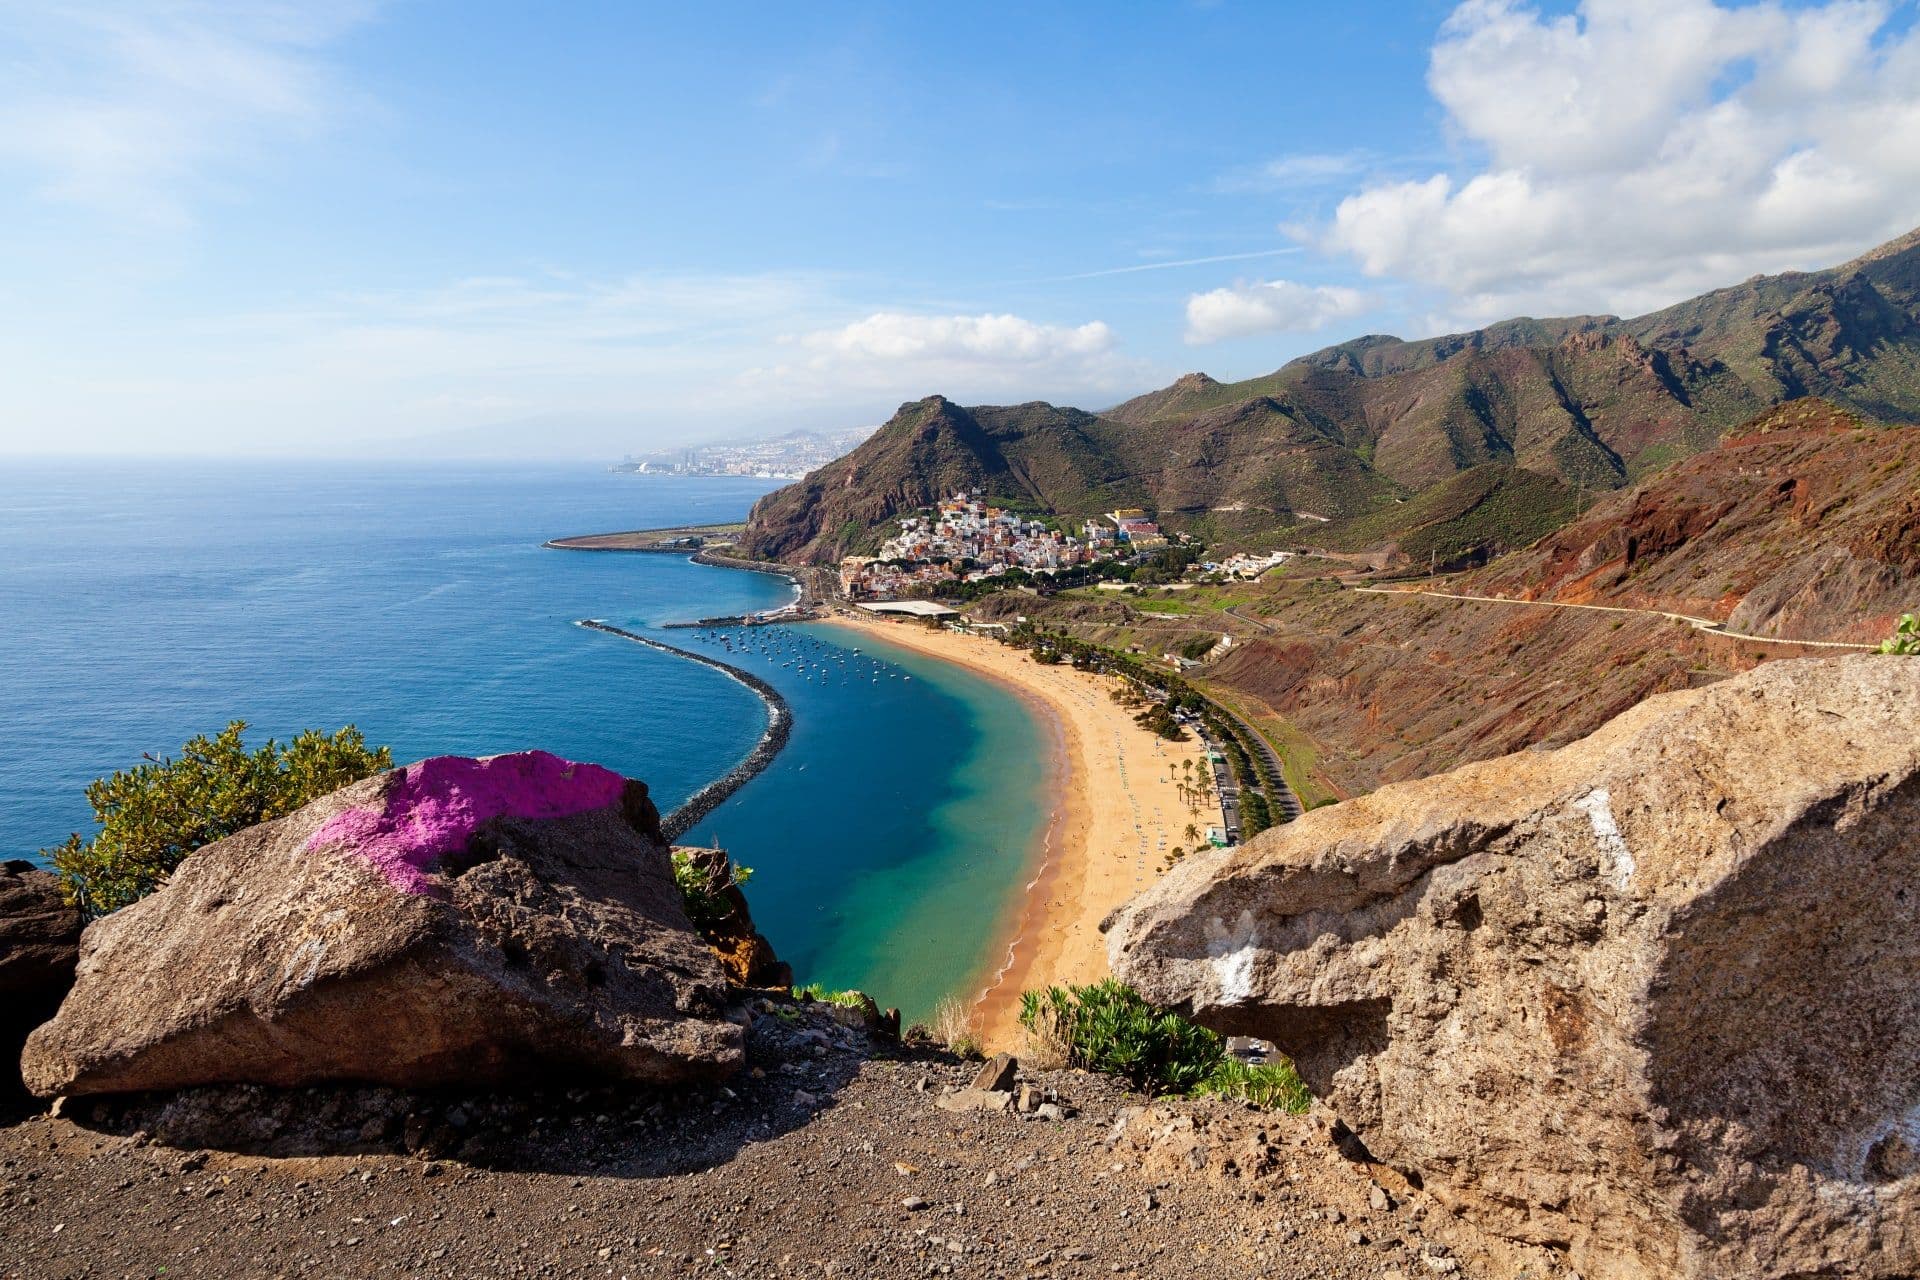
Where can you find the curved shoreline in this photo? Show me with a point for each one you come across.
(716, 793)
(1116, 811)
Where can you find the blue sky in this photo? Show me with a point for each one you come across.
(582, 229)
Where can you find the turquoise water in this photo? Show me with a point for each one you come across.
(140, 604)
(887, 836)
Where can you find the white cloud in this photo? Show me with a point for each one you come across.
(965, 356)
(1297, 169)
(1267, 307)
(547, 364)
(132, 106)
(891, 335)
(1639, 151)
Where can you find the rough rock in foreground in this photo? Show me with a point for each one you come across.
(454, 922)
(1650, 997)
(39, 946)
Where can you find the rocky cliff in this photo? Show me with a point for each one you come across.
(1803, 524)
(39, 947)
(1648, 997)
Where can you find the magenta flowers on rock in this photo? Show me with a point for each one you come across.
(433, 808)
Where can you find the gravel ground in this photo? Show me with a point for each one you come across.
(832, 1157)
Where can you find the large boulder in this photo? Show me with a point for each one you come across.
(1653, 997)
(456, 922)
(39, 946)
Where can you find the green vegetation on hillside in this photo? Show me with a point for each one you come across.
(1552, 405)
(703, 887)
(153, 815)
(1905, 639)
(842, 999)
(1110, 1028)
(1468, 518)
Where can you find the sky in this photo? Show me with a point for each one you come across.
(425, 228)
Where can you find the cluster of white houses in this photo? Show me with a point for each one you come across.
(1247, 565)
(965, 539)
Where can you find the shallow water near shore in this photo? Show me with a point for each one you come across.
(892, 831)
(141, 604)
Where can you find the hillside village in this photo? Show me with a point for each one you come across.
(965, 538)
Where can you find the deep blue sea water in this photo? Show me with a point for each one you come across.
(143, 603)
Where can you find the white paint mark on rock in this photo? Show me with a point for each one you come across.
(1231, 952)
(1597, 804)
(313, 951)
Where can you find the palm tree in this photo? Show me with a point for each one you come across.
(1192, 832)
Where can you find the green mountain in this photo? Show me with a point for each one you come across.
(1475, 438)
(1033, 456)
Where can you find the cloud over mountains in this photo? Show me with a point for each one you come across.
(1638, 151)
(1266, 307)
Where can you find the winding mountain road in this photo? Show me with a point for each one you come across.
(1707, 625)
(1233, 611)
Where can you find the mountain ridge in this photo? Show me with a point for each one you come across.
(1592, 403)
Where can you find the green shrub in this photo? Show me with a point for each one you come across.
(1108, 1027)
(1273, 1085)
(153, 815)
(1197, 647)
(845, 999)
(1905, 638)
(704, 889)
(1158, 720)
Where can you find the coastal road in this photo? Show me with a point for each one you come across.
(1280, 795)
(1288, 802)
(1223, 785)
(1707, 625)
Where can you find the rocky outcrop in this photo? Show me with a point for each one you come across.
(456, 922)
(1649, 998)
(39, 946)
(743, 952)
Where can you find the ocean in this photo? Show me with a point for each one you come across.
(142, 603)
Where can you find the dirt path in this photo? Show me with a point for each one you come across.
(1707, 625)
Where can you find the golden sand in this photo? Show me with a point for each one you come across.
(1118, 811)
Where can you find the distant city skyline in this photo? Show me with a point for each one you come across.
(785, 455)
(355, 228)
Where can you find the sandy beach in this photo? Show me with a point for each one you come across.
(1118, 811)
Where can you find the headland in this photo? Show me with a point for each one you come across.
(681, 539)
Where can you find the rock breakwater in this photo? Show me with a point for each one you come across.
(715, 793)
